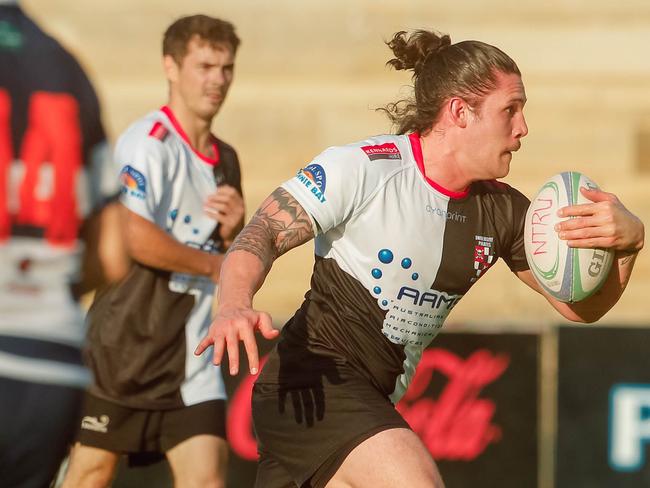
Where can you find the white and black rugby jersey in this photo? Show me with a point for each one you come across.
(395, 252)
(142, 331)
(55, 169)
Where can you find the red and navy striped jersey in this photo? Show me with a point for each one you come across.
(54, 170)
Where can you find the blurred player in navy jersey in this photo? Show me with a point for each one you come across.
(181, 206)
(55, 177)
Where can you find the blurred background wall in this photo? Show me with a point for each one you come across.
(310, 74)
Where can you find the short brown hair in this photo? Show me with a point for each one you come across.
(442, 70)
(209, 29)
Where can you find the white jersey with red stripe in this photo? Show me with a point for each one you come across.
(395, 252)
(165, 181)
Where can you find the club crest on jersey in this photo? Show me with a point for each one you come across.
(133, 182)
(483, 255)
(314, 179)
(382, 151)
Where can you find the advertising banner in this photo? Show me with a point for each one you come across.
(603, 408)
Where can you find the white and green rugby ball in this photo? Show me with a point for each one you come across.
(568, 274)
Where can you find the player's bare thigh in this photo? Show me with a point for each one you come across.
(199, 462)
(394, 457)
(90, 467)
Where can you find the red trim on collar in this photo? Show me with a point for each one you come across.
(416, 146)
(170, 115)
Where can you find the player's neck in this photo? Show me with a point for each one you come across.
(441, 163)
(196, 128)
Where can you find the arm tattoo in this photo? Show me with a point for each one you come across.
(278, 225)
(627, 259)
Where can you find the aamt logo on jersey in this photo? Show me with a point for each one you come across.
(413, 316)
(133, 182)
(313, 177)
(382, 151)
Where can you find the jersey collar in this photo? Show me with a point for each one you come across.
(177, 126)
(416, 147)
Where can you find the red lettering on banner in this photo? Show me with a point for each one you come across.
(456, 426)
(53, 136)
(239, 421)
(6, 156)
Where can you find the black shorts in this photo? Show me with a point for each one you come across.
(145, 434)
(305, 433)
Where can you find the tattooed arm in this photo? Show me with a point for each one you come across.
(278, 225)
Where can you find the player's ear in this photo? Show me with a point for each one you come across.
(171, 68)
(458, 111)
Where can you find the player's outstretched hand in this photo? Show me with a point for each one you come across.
(231, 326)
(226, 206)
(604, 223)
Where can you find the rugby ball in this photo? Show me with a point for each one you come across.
(568, 274)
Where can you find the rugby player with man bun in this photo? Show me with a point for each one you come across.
(390, 266)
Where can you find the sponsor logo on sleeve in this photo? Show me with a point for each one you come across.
(314, 179)
(133, 182)
(382, 151)
(159, 131)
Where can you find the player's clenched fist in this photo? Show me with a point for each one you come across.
(226, 206)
